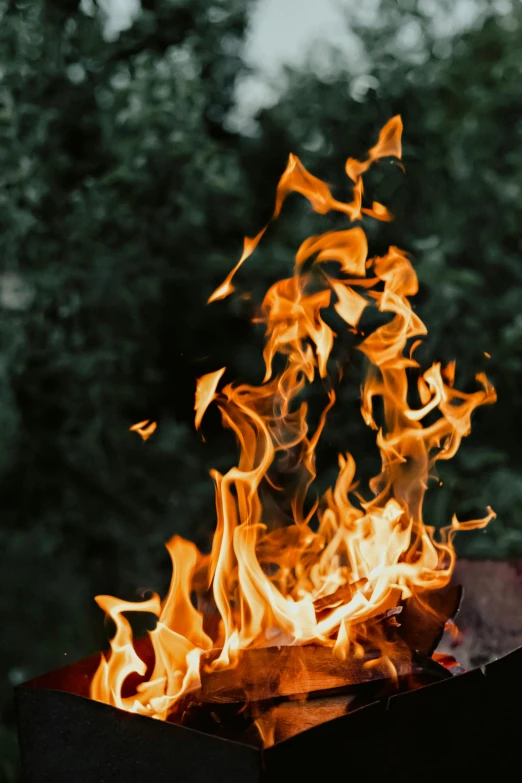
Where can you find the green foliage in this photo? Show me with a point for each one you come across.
(116, 187)
(123, 201)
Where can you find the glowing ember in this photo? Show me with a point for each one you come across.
(322, 581)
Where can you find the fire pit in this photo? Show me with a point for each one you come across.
(465, 723)
(304, 642)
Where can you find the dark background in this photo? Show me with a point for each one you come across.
(124, 197)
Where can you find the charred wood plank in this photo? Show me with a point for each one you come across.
(285, 720)
(264, 723)
(425, 615)
(264, 673)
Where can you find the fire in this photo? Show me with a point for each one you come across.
(324, 575)
(144, 428)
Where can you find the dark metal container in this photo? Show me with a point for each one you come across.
(466, 724)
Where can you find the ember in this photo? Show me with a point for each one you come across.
(350, 592)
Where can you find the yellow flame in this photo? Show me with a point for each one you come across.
(205, 393)
(291, 583)
(144, 428)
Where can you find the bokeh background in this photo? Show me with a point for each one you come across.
(139, 142)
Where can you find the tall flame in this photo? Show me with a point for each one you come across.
(330, 569)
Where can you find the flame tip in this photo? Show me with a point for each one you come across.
(144, 428)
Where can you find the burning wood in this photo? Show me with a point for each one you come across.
(290, 671)
(240, 708)
(290, 718)
(347, 590)
(424, 618)
(262, 725)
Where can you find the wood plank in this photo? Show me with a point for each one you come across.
(285, 720)
(423, 617)
(264, 673)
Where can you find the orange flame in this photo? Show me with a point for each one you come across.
(324, 573)
(144, 428)
(205, 393)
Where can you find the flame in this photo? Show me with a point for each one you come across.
(205, 393)
(144, 428)
(323, 573)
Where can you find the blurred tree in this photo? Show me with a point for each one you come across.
(117, 186)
